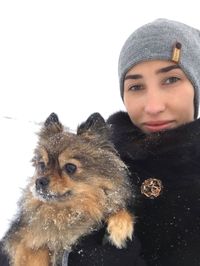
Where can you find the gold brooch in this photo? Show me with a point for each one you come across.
(176, 53)
(151, 188)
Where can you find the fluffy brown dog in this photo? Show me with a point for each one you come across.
(79, 183)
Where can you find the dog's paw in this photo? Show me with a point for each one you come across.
(120, 228)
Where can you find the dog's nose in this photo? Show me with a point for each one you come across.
(42, 182)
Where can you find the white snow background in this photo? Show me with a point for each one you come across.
(61, 56)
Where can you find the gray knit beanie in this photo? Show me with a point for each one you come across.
(163, 39)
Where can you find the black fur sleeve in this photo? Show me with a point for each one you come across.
(93, 251)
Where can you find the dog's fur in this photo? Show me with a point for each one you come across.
(79, 183)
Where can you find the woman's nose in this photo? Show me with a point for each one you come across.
(154, 103)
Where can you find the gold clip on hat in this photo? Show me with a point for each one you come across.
(176, 54)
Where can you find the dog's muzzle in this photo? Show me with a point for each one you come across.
(42, 190)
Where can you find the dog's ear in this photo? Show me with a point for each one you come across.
(51, 126)
(95, 124)
(96, 130)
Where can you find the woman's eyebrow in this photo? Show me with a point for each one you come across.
(136, 76)
(161, 70)
(166, 69)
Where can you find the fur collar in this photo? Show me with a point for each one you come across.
(131, 141)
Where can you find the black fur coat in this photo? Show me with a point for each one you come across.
(168, 224)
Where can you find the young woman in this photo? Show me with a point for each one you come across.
(159, 140)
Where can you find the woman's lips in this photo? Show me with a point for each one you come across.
(153, 126)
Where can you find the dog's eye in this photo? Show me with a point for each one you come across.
(41, 166)
(70, 168)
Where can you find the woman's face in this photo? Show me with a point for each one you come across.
(158, 96)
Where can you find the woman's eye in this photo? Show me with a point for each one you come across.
(171, 80)
(136, 87)
(70, 168)
(41, 166)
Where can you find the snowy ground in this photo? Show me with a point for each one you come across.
(17, 142)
